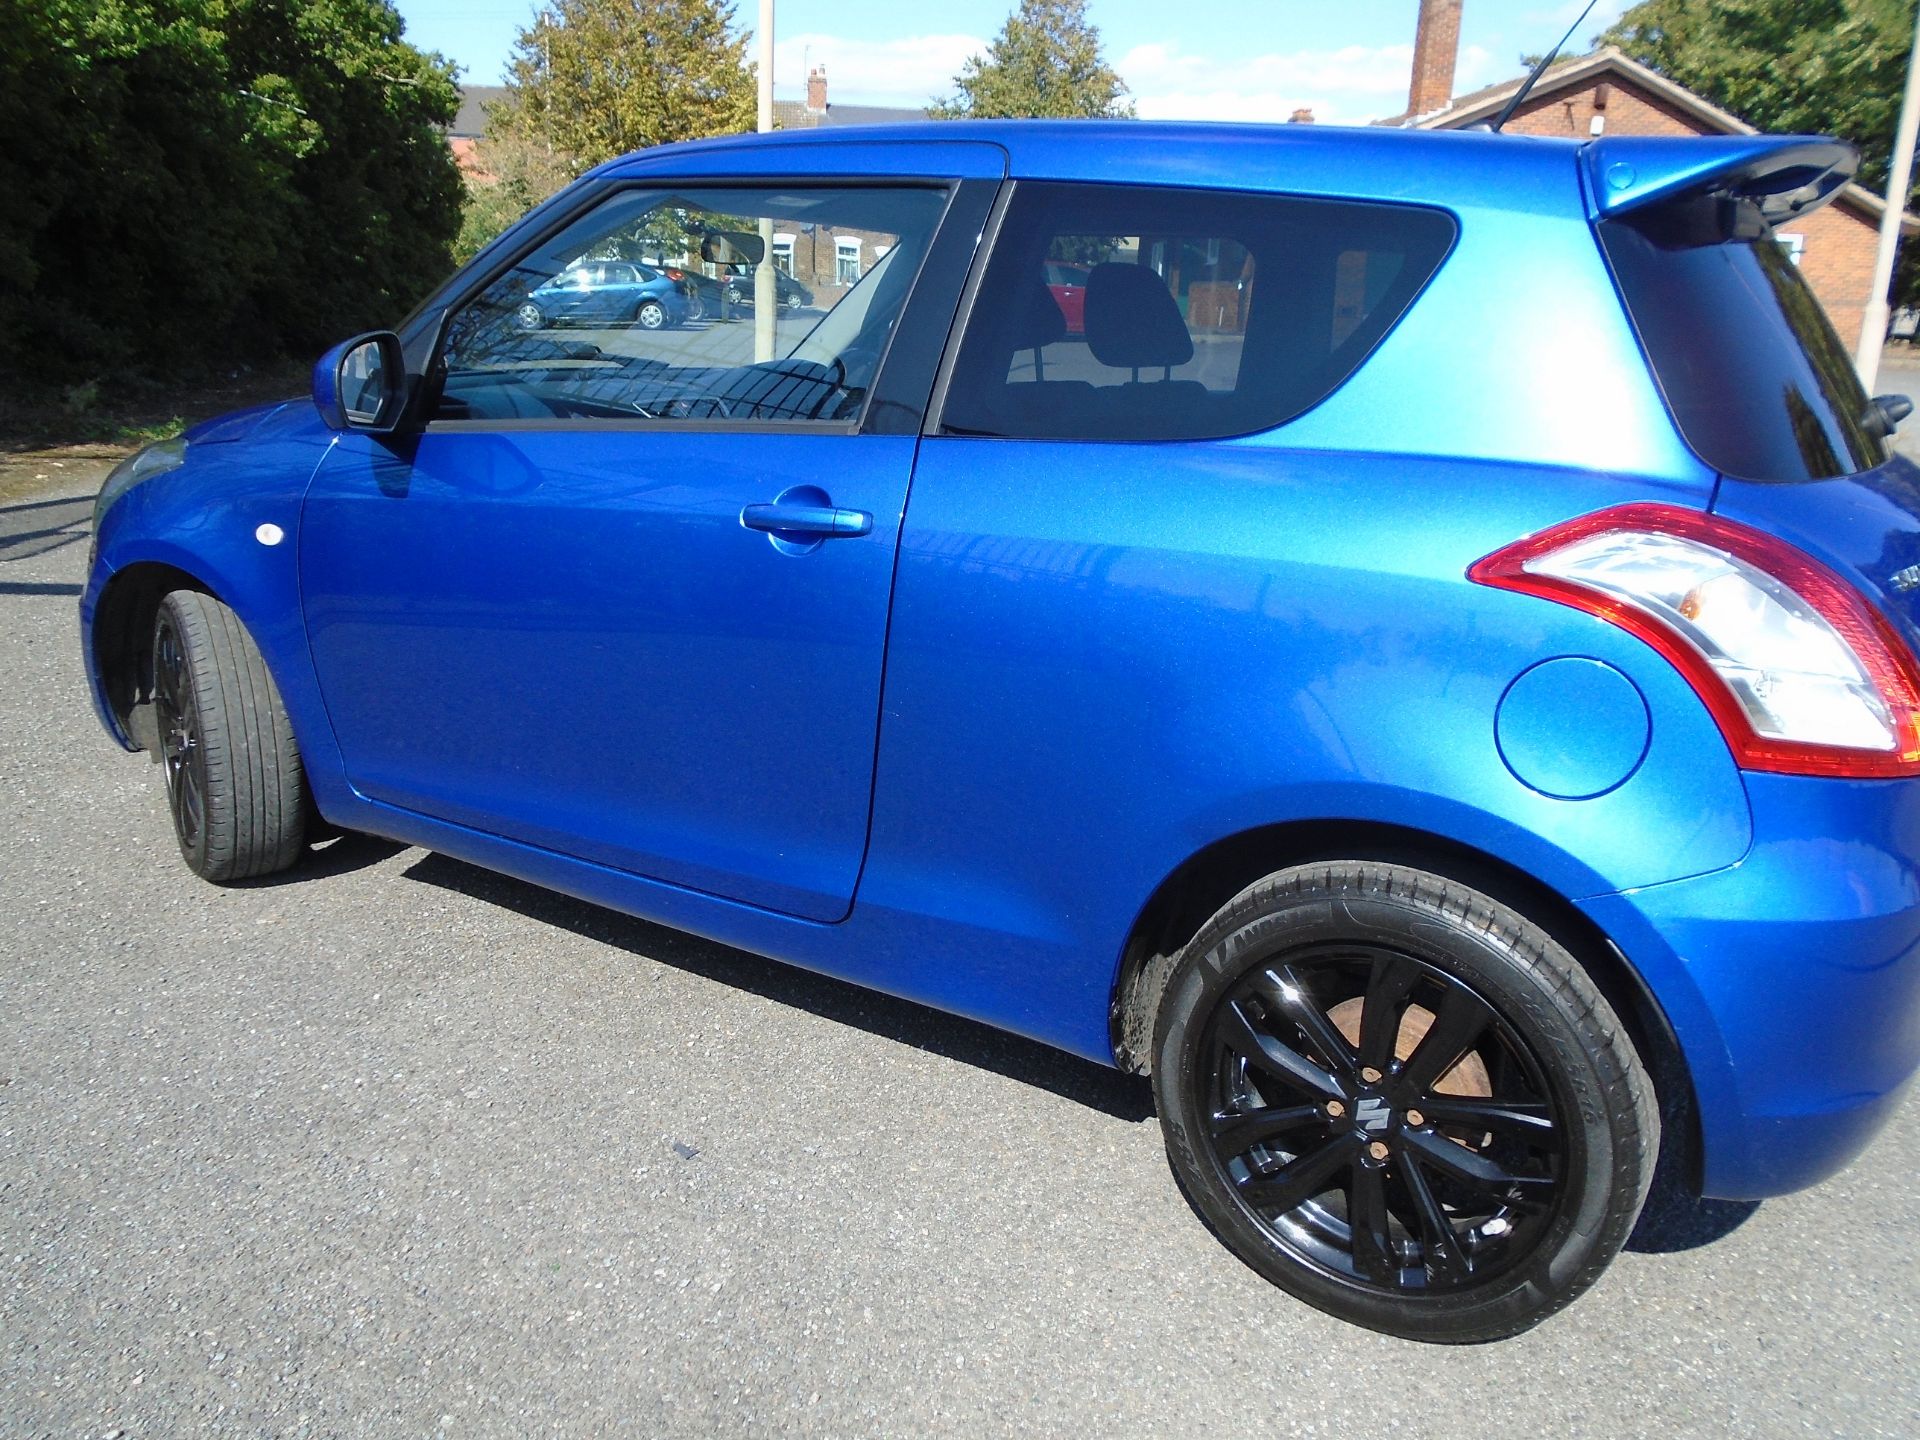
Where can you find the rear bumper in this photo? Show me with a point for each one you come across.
(1791, 979)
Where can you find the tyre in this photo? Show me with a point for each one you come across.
(696, 307)
(792, 302)
(530, 316)
(1401, 1101)
(651, 315)
(234, 782)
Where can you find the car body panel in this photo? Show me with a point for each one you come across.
(568, 636)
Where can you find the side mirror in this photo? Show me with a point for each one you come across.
(361, 384)
(1889, 411)
(731, 247)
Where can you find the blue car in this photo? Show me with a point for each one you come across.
(1427, 673)
(603, 293)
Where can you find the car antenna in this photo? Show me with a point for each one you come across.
(1526, 86)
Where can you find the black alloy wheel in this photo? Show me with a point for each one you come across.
(1410, 1108)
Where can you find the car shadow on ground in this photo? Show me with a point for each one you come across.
(1124, 1097)
(1672, 1221)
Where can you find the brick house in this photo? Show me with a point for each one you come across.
(469, 126)
(1607, 93)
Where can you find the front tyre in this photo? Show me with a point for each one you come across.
(235, 785)
(1402, 1101)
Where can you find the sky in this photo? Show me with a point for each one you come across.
(1252, 60)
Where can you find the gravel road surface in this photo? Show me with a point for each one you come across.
(400, 1147)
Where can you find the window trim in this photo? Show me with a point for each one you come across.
(935, 422)
(879, 413)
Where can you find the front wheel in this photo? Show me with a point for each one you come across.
(530, 316)
(235, 785)
(1402, 1101)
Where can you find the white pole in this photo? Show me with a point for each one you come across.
(766, 294)
(1873, 325)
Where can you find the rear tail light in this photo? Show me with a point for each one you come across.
(1802, 675)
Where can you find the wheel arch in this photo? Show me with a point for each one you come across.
(123, 622)
(1207, 880)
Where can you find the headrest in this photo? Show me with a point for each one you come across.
(1035, 318)
(1133, 319)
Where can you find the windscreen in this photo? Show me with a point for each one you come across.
(1757, 380)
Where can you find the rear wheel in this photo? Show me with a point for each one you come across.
(234, 781)
(530, 316)
(1402, 1102)
(651, 315)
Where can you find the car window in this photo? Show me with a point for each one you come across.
(661, 320)
(1137, 313)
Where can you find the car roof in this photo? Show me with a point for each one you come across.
(1442, 167)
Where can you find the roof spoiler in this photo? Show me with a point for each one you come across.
(1714, 189)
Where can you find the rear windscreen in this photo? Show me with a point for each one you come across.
(1755, 376)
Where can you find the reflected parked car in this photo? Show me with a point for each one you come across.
(791, 292)
(612, 292)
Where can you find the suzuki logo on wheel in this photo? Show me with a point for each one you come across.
(1372, 1114)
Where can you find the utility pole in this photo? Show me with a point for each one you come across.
(1873, 325)
(766, 293)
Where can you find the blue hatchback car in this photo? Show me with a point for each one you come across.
(1426, 670)
(605, 292)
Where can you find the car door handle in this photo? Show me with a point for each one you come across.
(781, 517)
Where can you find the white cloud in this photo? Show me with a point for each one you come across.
(909, 71)
(1348, 85)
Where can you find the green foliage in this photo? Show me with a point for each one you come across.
(192, 180)
(596, 78)
(1828, 67)
(1046, 61)
(515, 171)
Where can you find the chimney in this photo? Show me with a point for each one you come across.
(817, 86)
(1302, 116)
(1436, 48)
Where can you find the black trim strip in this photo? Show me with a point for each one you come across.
(662, 425)
(989, 236)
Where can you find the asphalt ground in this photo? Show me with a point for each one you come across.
(399, 1147)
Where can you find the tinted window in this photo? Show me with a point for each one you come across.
(580, 328)
(1755, 376)
(1129, 313)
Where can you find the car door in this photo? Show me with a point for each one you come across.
(624, 595)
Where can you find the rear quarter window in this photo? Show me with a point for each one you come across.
(1150, 313)
(1756, 378)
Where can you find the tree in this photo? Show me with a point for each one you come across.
(194, 181)
(596, 78)
(1046, 61)
(513, 171)
(1828, 67)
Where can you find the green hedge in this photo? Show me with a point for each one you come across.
(190, 183)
